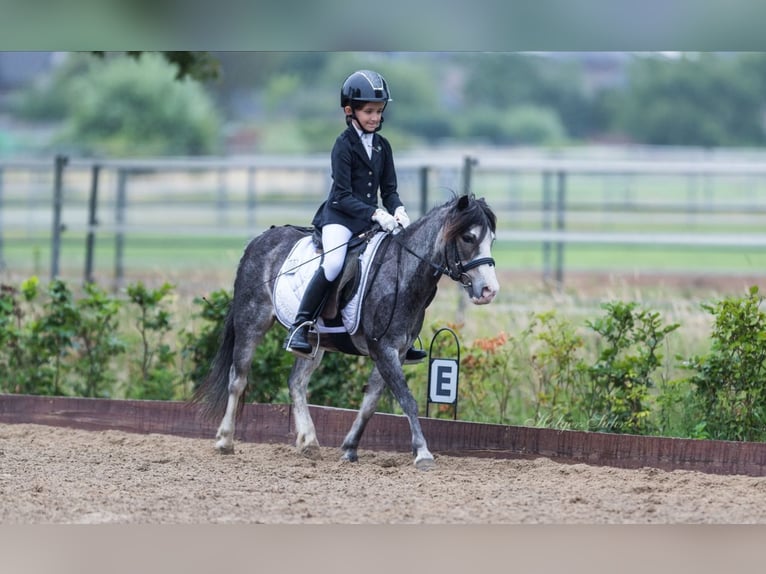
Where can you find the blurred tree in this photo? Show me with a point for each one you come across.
(196, 65)
(125, 107)
(524, 124)
(698, 100)
(287, 102)
(118, 106)
(504, 80)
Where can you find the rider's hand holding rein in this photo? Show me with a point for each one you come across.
(401, 217)
(386, 221)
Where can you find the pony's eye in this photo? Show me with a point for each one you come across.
(468, 238)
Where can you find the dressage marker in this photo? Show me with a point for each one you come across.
(443, 376)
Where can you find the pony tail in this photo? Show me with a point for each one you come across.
(213, 394)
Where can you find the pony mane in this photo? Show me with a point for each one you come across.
(465, 212)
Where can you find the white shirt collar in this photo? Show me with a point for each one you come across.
(363, 135)
(366, 141)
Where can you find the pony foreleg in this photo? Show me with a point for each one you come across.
(391, 369)
(306, 438)
(375, 386)
(424, 460)
(225, 434)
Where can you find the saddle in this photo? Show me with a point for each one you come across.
(347, 283)
(342, 310)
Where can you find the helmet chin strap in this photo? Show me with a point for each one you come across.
(359, 124)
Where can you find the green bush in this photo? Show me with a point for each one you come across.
(25, 358)
(544, 378)
(489, 377)
(558, 370)
(730, 380)
(603, 377)
(153, 368)
(620, 379)
(97, 342)
(60, 346)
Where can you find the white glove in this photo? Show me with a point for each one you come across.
(384, 219)
(401, 217)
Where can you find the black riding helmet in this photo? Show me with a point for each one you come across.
(363, 86)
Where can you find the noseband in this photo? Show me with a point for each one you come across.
(458, 271)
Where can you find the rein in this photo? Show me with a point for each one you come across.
(364, 235)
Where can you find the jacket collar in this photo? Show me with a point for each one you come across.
(359, 145)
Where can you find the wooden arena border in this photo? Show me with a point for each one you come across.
(271, 423)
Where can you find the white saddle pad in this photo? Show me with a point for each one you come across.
(298, 269)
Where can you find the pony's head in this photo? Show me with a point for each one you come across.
(467, 237)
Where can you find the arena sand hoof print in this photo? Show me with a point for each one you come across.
(311, 451)
(225, 450)
(425, 464)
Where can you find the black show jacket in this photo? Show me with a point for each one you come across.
(356, 180)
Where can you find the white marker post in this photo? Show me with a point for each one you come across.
(443, 376)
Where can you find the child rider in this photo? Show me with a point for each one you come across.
(362, 163)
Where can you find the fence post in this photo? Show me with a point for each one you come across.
(546, 209)
(92, 222)
(251, 197)
(423, 172)
(560, 211)
(119, 238)
(468, 164)
(58, 193)
(222, 201)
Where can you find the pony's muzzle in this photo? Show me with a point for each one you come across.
(486, 296)
(482, 290)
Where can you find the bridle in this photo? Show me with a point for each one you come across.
(457, 272)
(455, 269)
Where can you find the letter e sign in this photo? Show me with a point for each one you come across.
(442, 381)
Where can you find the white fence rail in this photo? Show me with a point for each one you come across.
(553, 202)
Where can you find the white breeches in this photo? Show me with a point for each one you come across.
(334, 240)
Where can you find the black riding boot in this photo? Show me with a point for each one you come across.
(311, 305)
(415, 355)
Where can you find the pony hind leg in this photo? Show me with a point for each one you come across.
(242, 358)
(225, 434)
(306, 437)
(375, 387)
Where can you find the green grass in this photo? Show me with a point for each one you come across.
(612, 258)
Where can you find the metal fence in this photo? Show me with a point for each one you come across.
(75, 216)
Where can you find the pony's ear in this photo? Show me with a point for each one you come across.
(462, 202)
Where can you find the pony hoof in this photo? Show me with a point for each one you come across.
(311, 451)
(225, 449)
(350, 457)
(425, 464)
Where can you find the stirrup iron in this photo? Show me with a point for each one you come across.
(315, 349)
